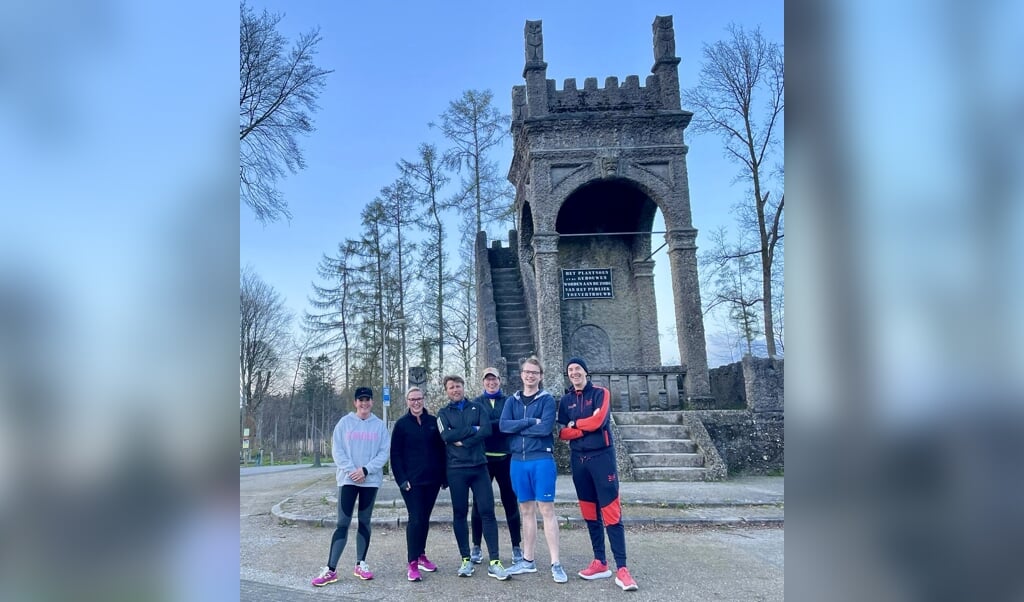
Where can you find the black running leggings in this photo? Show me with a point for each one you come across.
(347, 495)
(419, 501)
(460, 482)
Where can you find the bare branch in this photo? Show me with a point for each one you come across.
(278, 90)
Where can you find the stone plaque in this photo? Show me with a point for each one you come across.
(595, 283)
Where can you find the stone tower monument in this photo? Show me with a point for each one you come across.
(590, 168)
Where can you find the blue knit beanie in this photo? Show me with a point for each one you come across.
(577, 360)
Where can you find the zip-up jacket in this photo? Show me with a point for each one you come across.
(496, 445)
(529, 440)
(456, 421)
(417, 451)
(590, 411)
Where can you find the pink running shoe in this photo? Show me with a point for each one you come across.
(624, 580)
(596, 570)
(426, 565)
(363, 571)
(414, 571)
(326, 576)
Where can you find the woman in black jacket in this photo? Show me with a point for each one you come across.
(418, 465)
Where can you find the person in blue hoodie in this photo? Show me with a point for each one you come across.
(464, 425)
(529, 418)
(360, 446)
(498, 465)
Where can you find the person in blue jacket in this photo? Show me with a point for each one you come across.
(529, 417)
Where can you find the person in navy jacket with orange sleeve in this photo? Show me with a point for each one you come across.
(584, 414)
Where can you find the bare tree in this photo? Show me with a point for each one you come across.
(264, 323)
(299, 348)
(426, 179)
(318, 394)
(476, 127)
(335, 318)
(732, 283)
(741, 97)
(460, 306)
(278, 90)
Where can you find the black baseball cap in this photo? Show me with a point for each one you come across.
(363, 392)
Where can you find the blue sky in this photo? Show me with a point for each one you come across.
(397, 66)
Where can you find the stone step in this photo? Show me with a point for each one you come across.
(515, 337)
(654, 431)
(510, 299)
(660, 446)
(626, 418)
(667, 460)
(510, 309)
(504, 289)
(511, 312)
(514, 355)
(516, 344)
(504, 275)
(516, 328)
(670, 474)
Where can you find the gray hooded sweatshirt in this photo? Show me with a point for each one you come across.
(361, 443)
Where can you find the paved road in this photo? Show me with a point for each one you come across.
(260, 489)
(669, 563)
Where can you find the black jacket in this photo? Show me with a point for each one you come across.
(417, 451)
(497, 442)
(456, 422)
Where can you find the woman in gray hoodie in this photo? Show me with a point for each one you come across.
(361, 446)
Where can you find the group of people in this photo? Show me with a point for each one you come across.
(466, 447)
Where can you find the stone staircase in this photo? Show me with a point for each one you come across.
(510, 309)
(659, 447)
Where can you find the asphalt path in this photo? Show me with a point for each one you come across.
(278, 559)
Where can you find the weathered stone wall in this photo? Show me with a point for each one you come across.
(748, 442)
(764, 380)
(727, 387)
(488, 348)
(618, 318)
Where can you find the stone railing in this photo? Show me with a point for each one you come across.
(641, 390)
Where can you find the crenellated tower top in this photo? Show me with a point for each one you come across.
(540, 96)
